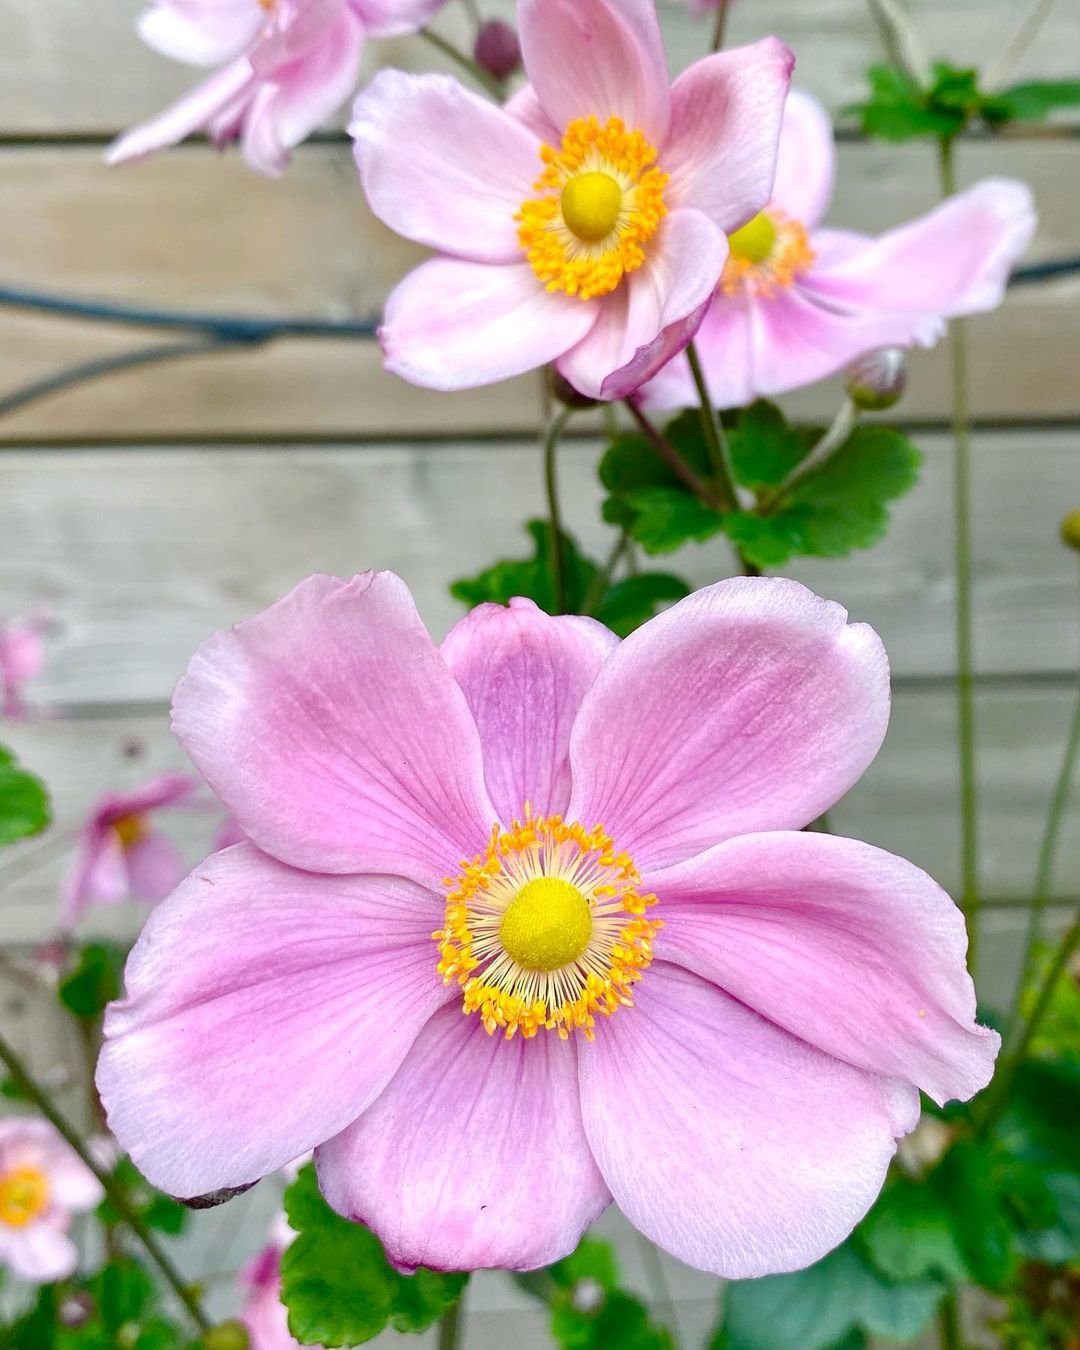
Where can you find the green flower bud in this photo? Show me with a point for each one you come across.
(227, 1336)
(877, 380)
(1070, 530)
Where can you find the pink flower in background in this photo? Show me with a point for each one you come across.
(798, 302)
(263, 1313)
(121, 855)
(606, 841)
(585, 222)
(42, 1184)
(286, 66)
(22, 658)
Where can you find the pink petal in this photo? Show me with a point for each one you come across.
(655, 311)
(723, 344)
(155, 867)
(164, 790)
(806, 162)
(188, 114)
(97, 873)
(524, 106)
(853, 950)
(38, 1253)
(200, 34)
(725, 124)
(468, 169)
(954, 260)
(393, 18)
(749, 705)
(597, 58)
(524, 675)
(456, 325)
(332, 730)
(758, 1154)
(266, 1008)
(474, 1156)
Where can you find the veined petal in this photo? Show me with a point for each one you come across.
(749, 1151)
(467, 169)
(456, 325)
(448, 1165)
(806, 161)
(847, 947)
(749, 705)
(597, 58)
(188, 114)
(332, 730)
(266, 1008)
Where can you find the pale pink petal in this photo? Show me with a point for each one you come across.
(22, 653)
(735, 1146)
(266, 1008)
(97, 873)
(954, 260)
(725, 124)
(393, 18)
(847, 947)
(468, 170)
(723, 344)
(187, 115)
(806, 162)
(474, 1156)
(655, 311)
(597, 58)
(524, 675)
(72, 1186)
(155, 867)
(455, 325)
(166, 789)
(39, 1253)
(199, 33)
(525, 107)
(749, 705)
(264, 1314)
(332, 730)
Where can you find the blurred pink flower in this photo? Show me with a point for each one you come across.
(801, 990)
(263, 1313)
(798, 302)
(22, 658)
(42, 1184)
(585, 222)
(120, 855)
(288, 65)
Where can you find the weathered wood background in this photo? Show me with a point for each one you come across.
(146, 510)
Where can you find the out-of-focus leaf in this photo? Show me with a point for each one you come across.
(1031, 101)
(94, 980)
(24, 802)
(530, 577)
(629, 603)
(967, 1184)
(157, 1211)
(908, 1235)
(590, 1312)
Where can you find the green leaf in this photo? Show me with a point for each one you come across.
(123, 1292)
(590, 1312)
(530, 577)
(157, 1211)
(764, 448)
(908, 1235)
(36, 1327)
(629, 603)
(1031, 101)
(666, 518)
(96, 979)
(337, 1283)
(899, 110)
(965, 1181)
(24, 802)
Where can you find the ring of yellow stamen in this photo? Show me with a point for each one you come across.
(601, 201)
(766, 255)
(546, 929)
(24, 1196)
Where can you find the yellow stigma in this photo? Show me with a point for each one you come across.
(130, 830)
(766, 255)
(601, 201)
(546, 929)
(24, 1195)
(546, 925)
(755, 241)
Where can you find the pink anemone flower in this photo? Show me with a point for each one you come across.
(42, 1184)
(798, 302)
(263, 1313)
(585, 222)
(286, 66)
(120, 854)
(22, 658)
(507, 895)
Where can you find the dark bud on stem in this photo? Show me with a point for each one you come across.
(75, 1310)
(227, 1336)
(562, 391)
(877, 380)
(497, 49)
(1070, 530)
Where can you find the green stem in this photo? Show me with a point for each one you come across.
(949, 1337)
(838, 432)
(715, 439)
(602, 580)
(721, 26)
(965, 664)
(551, 483)
(675, 462)
(477, 71)
(450, 1327)
(30, 1089)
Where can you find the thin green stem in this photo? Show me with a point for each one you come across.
(715, 439)
(675, 462)
(31, 1089)
(551, 484)
(1000, 68)
(949, 1337)
(602, 580)
(840, 429)
(720, 27)
(450, 1327)
(965, 661)
(473, 11)
(477, 71)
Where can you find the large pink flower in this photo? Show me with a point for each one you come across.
(798, 302)
(286, 66)
(583, 224)
(42, 1184)
(22, 658)
(735, 1080)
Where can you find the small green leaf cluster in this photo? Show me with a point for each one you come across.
(24, 802)
(158, 1211)
(93, 979)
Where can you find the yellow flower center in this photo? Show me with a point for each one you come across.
(767, 254)
(546, 928)
(130, 830)
(24, 1195)
(601, 201)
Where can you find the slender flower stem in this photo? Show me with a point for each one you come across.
(715, 439)
(450, 1327)
(30, 1089)
(841, 428)
(721, 26)
(949, 1337)
(551, 483)
(473, 11)
(1000, 68)
(602, 580)
(965, 663)
(477, 71)
(900, 40)
(675, 462)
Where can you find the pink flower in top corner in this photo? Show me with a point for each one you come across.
(120, 853)
(22, 658)
(584, 223)
(42, 1184)
(798, 302)
(505, 895)
(285, 67)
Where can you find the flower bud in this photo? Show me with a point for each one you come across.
(877, 380)
(231, 1335)
(497, 49)
(1070, 530)
(75, 1310)
(562, 391)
